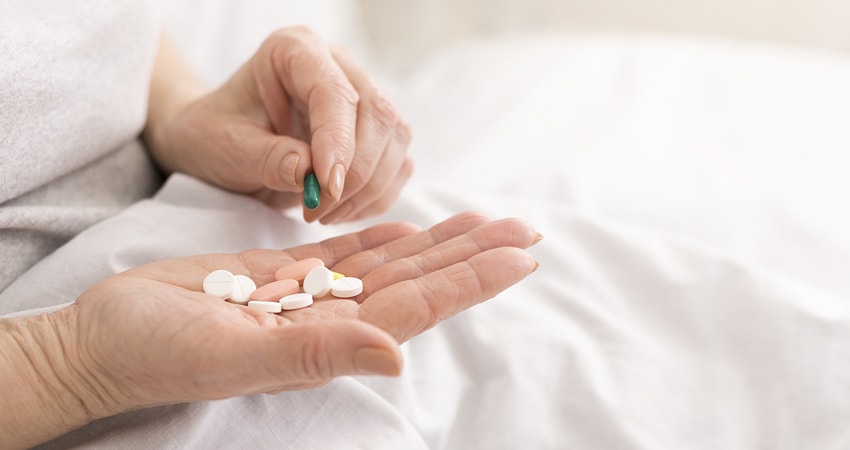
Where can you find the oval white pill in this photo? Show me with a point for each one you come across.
(269, 307)
(219, 283)
(242, 290)
(347, 287)
(295, 301)
(318, 281)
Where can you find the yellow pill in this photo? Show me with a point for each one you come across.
(337, 276)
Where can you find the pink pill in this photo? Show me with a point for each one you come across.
(273, 291)
(297, 270)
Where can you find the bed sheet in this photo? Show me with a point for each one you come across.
(692, 290)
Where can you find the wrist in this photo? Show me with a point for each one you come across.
(47, 386)
(174, 87)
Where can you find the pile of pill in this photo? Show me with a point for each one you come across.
(295, 286)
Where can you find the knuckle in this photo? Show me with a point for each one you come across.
(383, 113)
(281, 39)
(336, 91)
(346, 92)
(334, 136)
(404, 132)
(297, 57)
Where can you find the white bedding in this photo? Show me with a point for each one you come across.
(693, 289)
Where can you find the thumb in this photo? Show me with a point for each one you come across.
(281, 162)
(314, 352)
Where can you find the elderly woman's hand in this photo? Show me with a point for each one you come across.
(151, 336)
(297, 106)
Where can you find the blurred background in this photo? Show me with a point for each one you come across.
(405, 30)
(396, 34)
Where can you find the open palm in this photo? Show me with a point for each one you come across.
(151, 336)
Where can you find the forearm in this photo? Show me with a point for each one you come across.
(42, 392)
(174, 85)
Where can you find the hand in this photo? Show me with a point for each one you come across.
(296, 106)
(150, 336)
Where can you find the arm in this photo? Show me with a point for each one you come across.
(297, 106)
(41, 397)
(140, 338)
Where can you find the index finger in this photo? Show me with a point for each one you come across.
(320, 88)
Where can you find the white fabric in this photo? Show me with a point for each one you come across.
(73, 88)
(692, 290)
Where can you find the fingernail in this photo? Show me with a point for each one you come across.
(537, 239)
(289, 166)
(375, 361)
(536, 266)
(336, 181)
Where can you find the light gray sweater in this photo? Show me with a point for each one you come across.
(73, 98)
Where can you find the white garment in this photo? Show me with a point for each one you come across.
(675, 307)
(73, 89)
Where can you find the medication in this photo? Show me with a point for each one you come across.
(242, 290)
(311, 191)
(275, 290)
(298, 270)
(296, 301)
(220, 283)
(269, 307)
(318, 281)
(347, 287)
(337, 275)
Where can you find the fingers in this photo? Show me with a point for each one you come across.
(261, 264)
(189, 272)
(305, 80)
(502, 233)
(413, 283)
(298, 107)
(383, 202)
(380, 166)
(360, 264)
(281, 161)
(333, 250)
(410, 307)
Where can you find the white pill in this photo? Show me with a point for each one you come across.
(318, 281)
(347, 287)
(219, 283)
(295, 301)
(269, 307)
(242, 289)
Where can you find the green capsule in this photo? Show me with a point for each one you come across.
(311, 191)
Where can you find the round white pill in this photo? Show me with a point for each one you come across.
(347, 287)
(242, 289)
(295, 301)
(219, 283)
(318, 281)
(269, 307)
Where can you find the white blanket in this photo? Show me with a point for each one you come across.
(693, 289)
